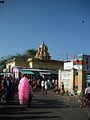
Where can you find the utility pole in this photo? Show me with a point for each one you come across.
(67, 56)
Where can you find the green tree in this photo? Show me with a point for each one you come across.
(2, 64)
(28, 53)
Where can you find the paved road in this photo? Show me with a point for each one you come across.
(44, 107)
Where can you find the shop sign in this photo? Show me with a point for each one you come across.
(16, 72)
(68, 65)
(78, 67)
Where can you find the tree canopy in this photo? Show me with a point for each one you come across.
(27, 54)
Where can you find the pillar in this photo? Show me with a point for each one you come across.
(81, 81)
(72, 80)
(59, 78)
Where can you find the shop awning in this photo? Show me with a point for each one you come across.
(53, 72)
(49, 73)
(45, 73)
(26, 72)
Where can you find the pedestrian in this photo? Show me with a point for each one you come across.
(23, 90)
(8, 94)
(46, 86)
(53, 83)
(86, 100)
(3, 87)
(48, 83)
(43, 86)
(2, 91)
(30, 94)
(62, 89)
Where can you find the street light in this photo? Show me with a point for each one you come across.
(1, 1)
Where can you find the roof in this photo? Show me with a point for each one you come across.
(16, 59)
(35, 59)
(27, 72)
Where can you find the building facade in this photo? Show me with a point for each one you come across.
(76, 74)
(16, 62)
(42, 61)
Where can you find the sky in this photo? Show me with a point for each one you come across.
(63, 25)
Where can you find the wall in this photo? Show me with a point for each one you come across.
(16, 63)
(67, 78)
(21, 63)
(12, 64)
(81, 80)
(47, 65)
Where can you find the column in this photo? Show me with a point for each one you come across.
(59, 78)
(72, 79)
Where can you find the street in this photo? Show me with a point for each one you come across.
(43, 107)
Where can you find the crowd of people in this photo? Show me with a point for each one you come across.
(8, 88)
(47, 84)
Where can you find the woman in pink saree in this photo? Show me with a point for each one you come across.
(23, 90)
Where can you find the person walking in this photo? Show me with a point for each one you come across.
(42, 86)
(46, 86)
(2, 91)
(86, 100)
(23, 90)
(30, 94)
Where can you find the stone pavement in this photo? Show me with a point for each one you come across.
(43, 107)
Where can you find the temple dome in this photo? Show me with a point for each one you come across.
(43, 52)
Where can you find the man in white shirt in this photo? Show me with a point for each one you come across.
(87, 90)
(46, 86)
(42, 86)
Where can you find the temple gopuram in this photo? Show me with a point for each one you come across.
(43, 52)
(43, 60)
(41, 63)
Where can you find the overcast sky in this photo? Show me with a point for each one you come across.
(63, 25)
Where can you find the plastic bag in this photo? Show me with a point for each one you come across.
(23, 90)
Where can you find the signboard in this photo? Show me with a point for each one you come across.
(16, 72)
(78, 67)
(68, 65)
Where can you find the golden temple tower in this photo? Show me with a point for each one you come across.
(43, 52)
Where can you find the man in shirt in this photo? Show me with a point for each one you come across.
(86, 100)
(42, 86)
